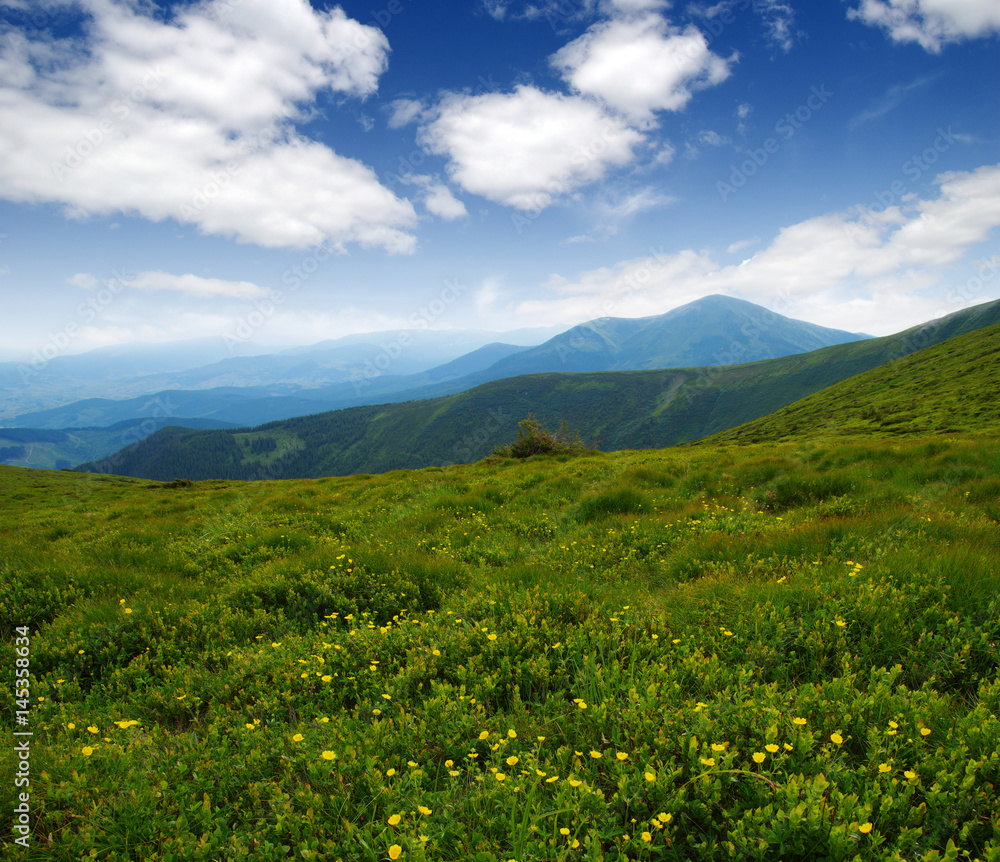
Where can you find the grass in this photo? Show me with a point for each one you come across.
(948, 388)
(782, 651)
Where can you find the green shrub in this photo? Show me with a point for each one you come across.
(533, 439)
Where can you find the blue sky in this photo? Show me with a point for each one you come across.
(280, 172)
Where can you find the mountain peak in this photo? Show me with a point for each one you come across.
(712, 330)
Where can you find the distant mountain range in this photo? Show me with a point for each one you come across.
(715, 330)
(615, 409)
(141, 370)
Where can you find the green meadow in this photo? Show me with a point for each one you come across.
(763, 651)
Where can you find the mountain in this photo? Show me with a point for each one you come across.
(140, 371)
(616, 410)
(714, 330)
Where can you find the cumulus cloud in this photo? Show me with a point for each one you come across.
(930, 23)
(441, 202)
(640, 65)
(530, 147)
(197, 286)
(872, 266)
(526, 148)
(191, 119)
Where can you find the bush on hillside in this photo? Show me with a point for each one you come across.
(533, 439)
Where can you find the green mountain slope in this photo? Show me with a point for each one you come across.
(949, 388)
(615, 410)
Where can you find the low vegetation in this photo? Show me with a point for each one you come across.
(534, 439)
(780, 651)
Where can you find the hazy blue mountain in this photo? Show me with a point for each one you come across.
(135, 370)
(714, 330)
(615, 409)
(347, 372)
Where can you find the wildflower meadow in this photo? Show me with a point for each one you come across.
(760, 652)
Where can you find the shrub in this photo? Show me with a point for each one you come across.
(533, 439)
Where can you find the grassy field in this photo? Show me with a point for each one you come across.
(781, 651)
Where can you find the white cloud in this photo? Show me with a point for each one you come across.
(743, 112)
(739, 245)
(633, 7)
(889, 101)
(191, 119)
(437, 197)
(197, 286)
(778, 18)
(403, 112)
(931, 23)
(612, 208)
(488, 297)
(857, 270)
(496, 9)
(713, 139)
(666, 155)
(641, 65)
(84, 280)
(441, 202)
(526, 148)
